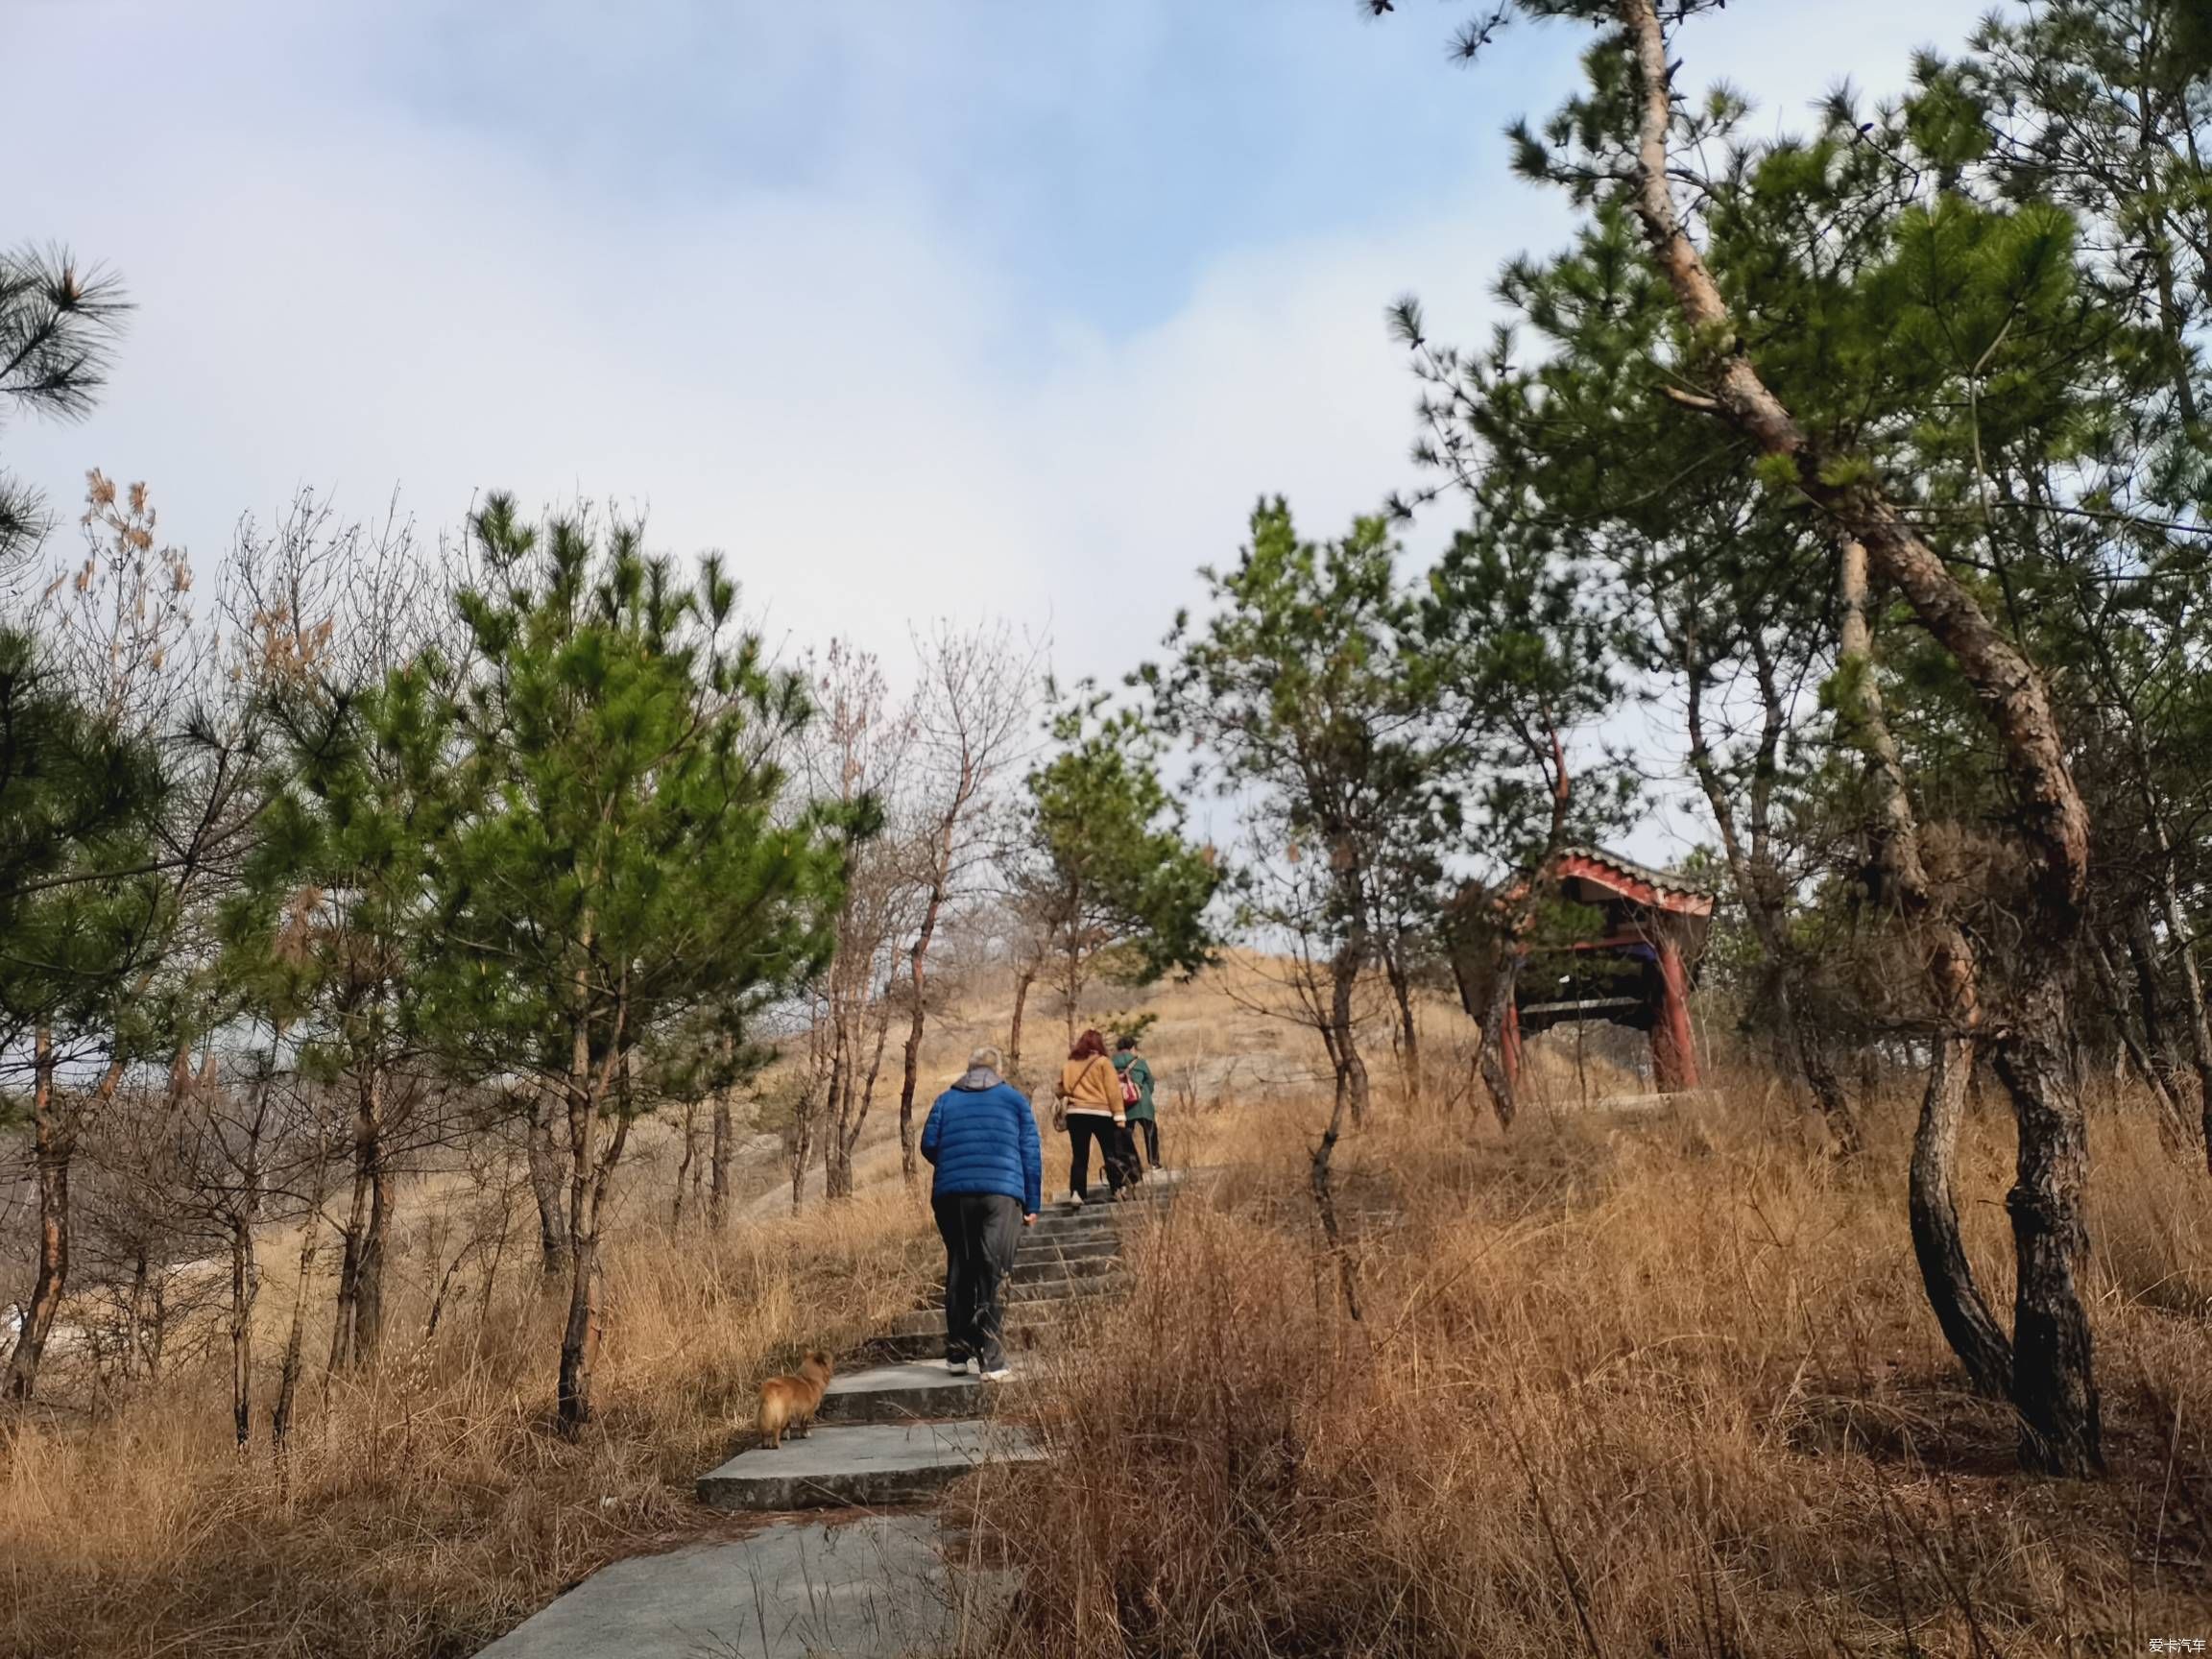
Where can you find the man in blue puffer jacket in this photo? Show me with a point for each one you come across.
(982, 1138)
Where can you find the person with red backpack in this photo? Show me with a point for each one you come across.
(1137, 1103)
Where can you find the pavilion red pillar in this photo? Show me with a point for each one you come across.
(1509, 1046)
(1673, 1045)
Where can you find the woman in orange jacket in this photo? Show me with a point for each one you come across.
(1090, 1095)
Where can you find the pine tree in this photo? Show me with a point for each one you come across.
(1862, 353)
(628, 850)
(58, 324)
(1101, 868)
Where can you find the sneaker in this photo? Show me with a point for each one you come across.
(956, 1367)
(1074, 1200)
(1004, 1374)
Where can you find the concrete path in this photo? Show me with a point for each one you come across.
(880, 1585)
(891, 1436)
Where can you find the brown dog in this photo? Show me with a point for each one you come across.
(791, 1402)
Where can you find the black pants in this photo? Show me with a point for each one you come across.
(981, 1232)
(1083, 1128)
(1151, 1128)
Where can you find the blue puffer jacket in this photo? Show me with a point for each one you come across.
(982, 1138)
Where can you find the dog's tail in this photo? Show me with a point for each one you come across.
(775, 1412)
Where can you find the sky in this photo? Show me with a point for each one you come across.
(914, 308)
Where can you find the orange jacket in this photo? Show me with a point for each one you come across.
(1092, 1085)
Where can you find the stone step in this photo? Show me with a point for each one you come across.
(921, 1335)
(1028, 1270)
(867, 1465)
(1049, 1289)
(1096, 1220)
(1053, 1248)
(919, 1388)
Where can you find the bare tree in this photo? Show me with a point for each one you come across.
(970, 714)
(856, 758)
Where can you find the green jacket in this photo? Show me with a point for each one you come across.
(1134, 1065)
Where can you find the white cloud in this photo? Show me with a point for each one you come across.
(862, 405)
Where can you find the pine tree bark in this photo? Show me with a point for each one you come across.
(590, 1171)
(2142, 963)
(357, 1330)
(721, 1152)
(553, 1242)
(1409, 1032)
(1344, 1045)
(2054, 1384)
(1938, 1247)
(1490, 1056)
(684, 1165)
(296, 1337)
(243, 1283)
(2183, 937)
(52, 1148)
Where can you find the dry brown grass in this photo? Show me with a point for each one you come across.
(1623, 1385)
(1661, 1386)
(430, 1507)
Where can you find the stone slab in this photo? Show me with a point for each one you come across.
(1020, 1337)
(1051, 1249)
(1032, 1270)
(1089, 1264)
(874, 1588)
(1049, 1285)
(900, 1393)
(867, 1465)
(930, 1321)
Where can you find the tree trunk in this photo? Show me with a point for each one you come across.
(2184, 947)
(1952, 973)
(52, 1147)
(910, 1065)
(1350, 1069)
(722, 1150)
(244, 1281)
(1945, 1272)
(295, 1338)
(684, 1165)
(1409, 1032)
(2054, 1388)
(868, 1088)
(1023, 977)
(580, 1336)
(135, 1339)
(553, 1246)
(2174, 1127)
(1490, 1041)
(1324, 1194)
(368, 1300)
(2142, 960)
(360, 1311)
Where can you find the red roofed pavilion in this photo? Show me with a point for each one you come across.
(1634, 967)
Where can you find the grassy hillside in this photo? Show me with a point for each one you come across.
(1630, 1381)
